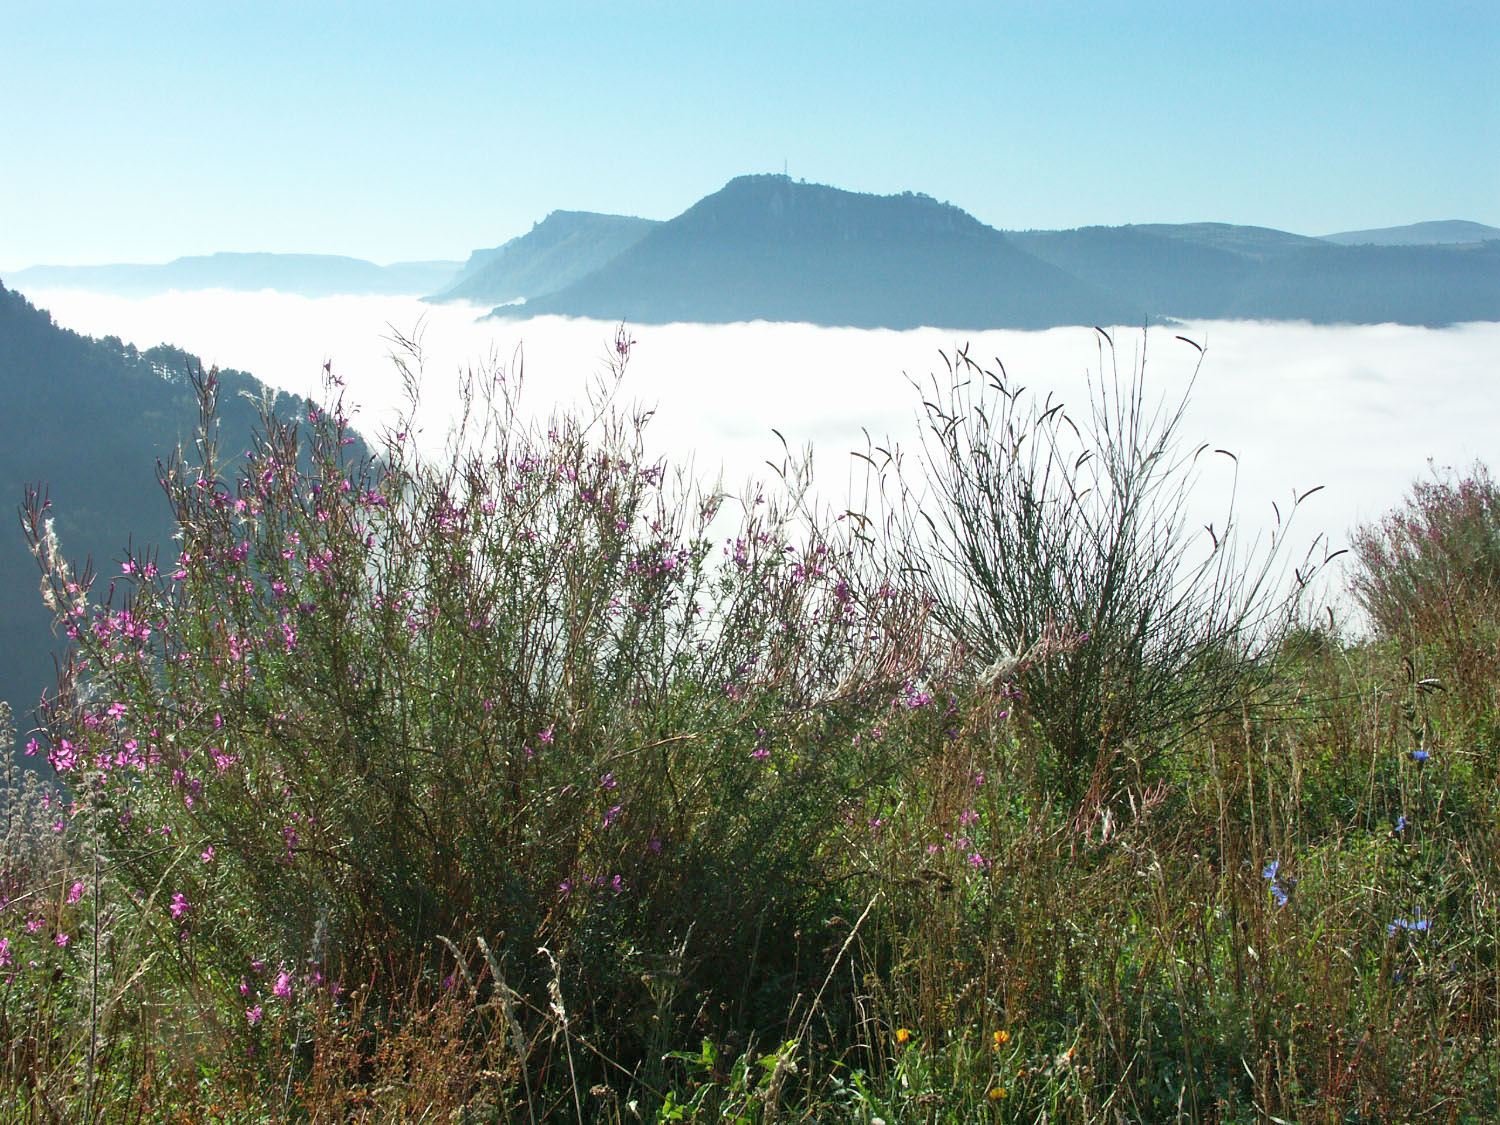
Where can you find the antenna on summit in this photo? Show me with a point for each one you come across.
(784, 176)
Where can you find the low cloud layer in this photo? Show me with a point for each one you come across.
(1359, 410)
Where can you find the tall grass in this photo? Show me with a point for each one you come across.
(539, 783)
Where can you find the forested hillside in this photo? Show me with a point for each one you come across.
(88, 419)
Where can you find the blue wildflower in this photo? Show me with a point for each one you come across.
(1417, 925)
(1419, 756)
(1278, 892)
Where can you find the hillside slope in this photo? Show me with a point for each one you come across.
(88, 419)
(563, 248)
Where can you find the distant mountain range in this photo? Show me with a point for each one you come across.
(312, 275)
(770, 248)
(1418, 234)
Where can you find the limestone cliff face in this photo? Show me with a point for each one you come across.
(563, 248)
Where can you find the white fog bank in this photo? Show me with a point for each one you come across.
(1360, 410)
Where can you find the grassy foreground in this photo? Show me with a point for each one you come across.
(541, 784)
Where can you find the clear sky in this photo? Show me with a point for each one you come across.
(139, 132)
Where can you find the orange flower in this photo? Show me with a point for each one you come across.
(1001, 1037)
(902, 1036)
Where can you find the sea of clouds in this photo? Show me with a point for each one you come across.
(1359, 410)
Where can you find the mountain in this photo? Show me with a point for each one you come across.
(1443, 232)
(768, 248)
(1215, 270)
(561, 249)
(310, 275)
(1168, 275)
(1428, 285)
(88, 419)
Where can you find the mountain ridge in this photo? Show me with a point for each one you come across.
(768, 248)
(1431, 233)
(765, 247)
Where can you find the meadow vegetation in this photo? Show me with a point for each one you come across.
(539, 782)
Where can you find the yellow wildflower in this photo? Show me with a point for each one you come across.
(1001, 1037)
(902, 1035)
(996, 1093)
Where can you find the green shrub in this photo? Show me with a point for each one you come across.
(519, 694)
(1428, 577)
(1059, 553)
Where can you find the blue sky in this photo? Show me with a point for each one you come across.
(140, 132)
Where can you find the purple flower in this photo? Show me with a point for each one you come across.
(75, 893)
(179, 905)
(283, 985)
(63, 757)
(1419, 756)
(252, 1015)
